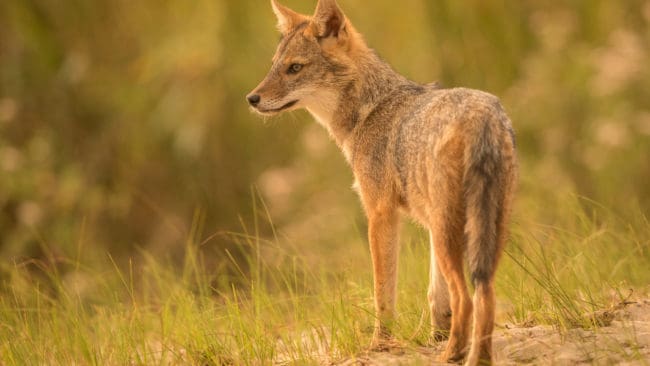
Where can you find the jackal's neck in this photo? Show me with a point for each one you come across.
(370, 83)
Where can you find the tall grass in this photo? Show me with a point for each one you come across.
(275, 306)
(589, 259)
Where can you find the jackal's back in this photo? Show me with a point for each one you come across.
(426, 140)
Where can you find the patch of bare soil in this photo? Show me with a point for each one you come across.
(624, 339)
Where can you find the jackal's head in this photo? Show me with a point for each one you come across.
(312, 61)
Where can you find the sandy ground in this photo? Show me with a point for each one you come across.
(624, 339)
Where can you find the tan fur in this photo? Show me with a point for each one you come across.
(445, 157)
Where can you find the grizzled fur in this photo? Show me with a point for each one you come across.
(445, 157)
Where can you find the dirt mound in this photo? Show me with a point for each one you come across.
(624, 338)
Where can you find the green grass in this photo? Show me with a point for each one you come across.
(275, 305)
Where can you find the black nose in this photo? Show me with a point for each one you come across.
(253, 99)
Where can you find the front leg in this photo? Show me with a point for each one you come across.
(383, 228)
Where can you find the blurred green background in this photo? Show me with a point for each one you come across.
(123, 124)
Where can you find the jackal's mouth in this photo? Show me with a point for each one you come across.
(276, 110)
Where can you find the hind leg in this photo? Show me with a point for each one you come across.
(447, 231)
(484, 301)
(482, 273)
(438, 296)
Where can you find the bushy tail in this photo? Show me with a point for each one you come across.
(487, 181)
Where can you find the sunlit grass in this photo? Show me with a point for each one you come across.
(280, 308)
(587, 260)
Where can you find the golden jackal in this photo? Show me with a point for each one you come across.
(444, 156)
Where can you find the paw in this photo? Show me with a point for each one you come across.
(453, 353)
(380, 345)
(453, 357)
(390, 345)
(381, 341)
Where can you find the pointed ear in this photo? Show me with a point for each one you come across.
(328, 20)
(287, 18)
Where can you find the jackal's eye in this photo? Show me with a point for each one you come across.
(294, 68)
